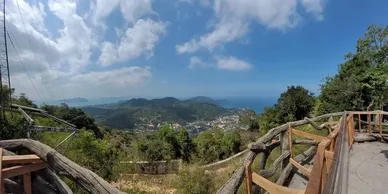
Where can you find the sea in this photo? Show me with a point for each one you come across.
(255, 103)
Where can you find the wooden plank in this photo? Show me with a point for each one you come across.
(19, 170)
(308, 135)
(314, 185)
(369, 123)
(303, 169)
(359, 123)
(1, 175)
(27, 183)
(329, 159)
(381, 121)
(290, 141)
(248, 177)
(21, 159)
(273, 188)
(324, 175)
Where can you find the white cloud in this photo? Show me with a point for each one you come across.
(131, 10)
(233, 19)
(126, 76)
(233, 64)
(223, 32)
(196, 62)
(315, 7)
(221, 62)
(140, 39)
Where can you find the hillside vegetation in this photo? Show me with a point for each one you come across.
(140, 111)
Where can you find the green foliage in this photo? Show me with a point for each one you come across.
(23, 100)
(194, 180)
(293, 104)
(152, 149)
(187, 146)
(86, 150)
(215, 144)
(250, 118)
(75, 116)
(168, 135)
(361, 82)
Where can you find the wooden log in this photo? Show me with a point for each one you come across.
(285, 147)
(82, 176)
(365, 137)
(316, 126)
(233, 183)
(299, 158)
(13, 187)
(60, 187)
(263, 162)
(305, 142)
(260, 147)
(272, 170)
(225, 161)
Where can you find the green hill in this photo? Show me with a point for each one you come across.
(142, 112)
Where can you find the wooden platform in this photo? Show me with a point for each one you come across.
(368, 168)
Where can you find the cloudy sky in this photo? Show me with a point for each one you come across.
(105, 48)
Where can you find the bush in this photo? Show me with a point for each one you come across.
(194, 180)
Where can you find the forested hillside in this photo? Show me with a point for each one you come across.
(139, 111)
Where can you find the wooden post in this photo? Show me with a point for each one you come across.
(369, 123)
(27, 183)
(2, 189)
(284, 142)
(248, 177)
(381, 123)
(359, 123)
(290, 141)
(324, 175)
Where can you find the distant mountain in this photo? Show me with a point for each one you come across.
(204, 99)
(74, 100)
(140, 112)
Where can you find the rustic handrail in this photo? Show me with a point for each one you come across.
(234, 182)
(330, 170)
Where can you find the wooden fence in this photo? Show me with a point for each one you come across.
(329, 173)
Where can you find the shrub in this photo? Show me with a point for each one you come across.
(194, 180)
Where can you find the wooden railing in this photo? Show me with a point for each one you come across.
(329, 174)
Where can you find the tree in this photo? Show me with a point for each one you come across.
(75, 116)
(168, 135)
(361, 82)
(293, 104)
(186, 144)
(230, 143)
(208, 147)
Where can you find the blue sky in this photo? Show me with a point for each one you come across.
(149, 48)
